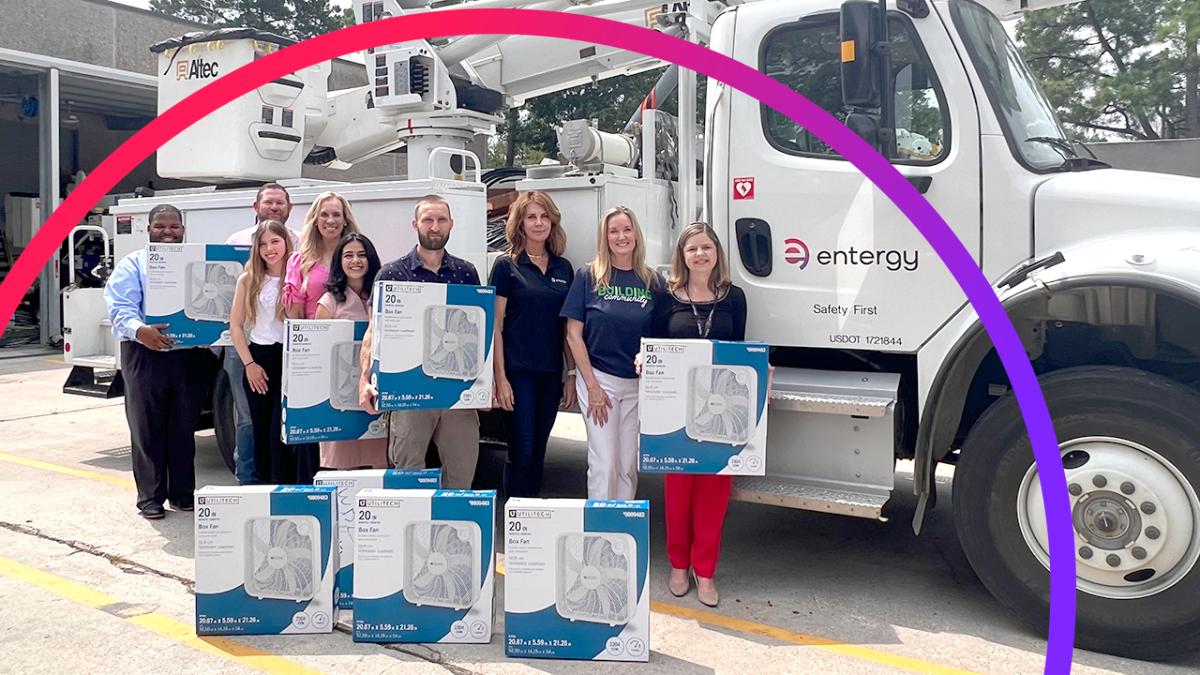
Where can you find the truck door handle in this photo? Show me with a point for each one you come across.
(754, 245)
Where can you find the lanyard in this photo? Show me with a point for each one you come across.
(703, 327)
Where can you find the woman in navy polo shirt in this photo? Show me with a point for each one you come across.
(608, 311)
(531, 283)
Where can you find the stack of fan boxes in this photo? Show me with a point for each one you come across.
(348, 484)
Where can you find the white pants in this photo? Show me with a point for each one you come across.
(612, 448)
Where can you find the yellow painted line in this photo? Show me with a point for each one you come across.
(226, 648)
(67, 470)
(785, 635)
(698, 615)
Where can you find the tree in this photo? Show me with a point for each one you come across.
(298, 19)
(1119, 67)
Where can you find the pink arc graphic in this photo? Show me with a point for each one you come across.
(746, 79)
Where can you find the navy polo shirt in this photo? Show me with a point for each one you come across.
(409, 268)
(533, 330)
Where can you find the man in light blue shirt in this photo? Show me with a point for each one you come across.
(271, 203)
(164, 387)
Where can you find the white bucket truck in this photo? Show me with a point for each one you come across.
(878, 356)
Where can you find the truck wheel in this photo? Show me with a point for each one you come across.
(224, 426)
(1129, 449)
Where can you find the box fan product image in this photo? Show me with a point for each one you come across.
(321, 371)
(423, 565)
(703, 407)
(190, 288)
(265, 559)
(432, 345)
(576, 584)
(348, 484)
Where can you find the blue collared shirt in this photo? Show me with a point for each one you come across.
(409, 268)
(123, 294)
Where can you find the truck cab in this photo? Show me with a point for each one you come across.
(880, 358)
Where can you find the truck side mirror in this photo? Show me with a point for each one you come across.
(866, 125)
(860, 67)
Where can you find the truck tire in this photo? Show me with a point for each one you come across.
(224, 423)
(1129, 445)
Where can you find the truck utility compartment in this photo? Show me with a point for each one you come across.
(830, 446)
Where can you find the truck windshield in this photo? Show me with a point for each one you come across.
(1033, 130)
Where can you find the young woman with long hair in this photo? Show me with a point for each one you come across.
(608, 311)
(531, 283)
(348, 296)
(256, 326)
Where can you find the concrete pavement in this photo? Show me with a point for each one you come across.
(87, 585)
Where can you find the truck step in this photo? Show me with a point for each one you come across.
(797, 495)
(97, 361)
(832, 404)
(831, 440)
(87, 381)
(834, 392)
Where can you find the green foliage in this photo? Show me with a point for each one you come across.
(1119, 67)
(298, 19)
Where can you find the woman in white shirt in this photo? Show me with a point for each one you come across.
(256, 326)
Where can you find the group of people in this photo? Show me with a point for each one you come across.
(325, 271)
(549, 316)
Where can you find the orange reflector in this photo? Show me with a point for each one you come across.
(847, 51)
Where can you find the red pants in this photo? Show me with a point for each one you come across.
(695, 513)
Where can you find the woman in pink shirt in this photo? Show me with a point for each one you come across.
(348, 296)
(328, 220)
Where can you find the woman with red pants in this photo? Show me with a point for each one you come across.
(699, 302)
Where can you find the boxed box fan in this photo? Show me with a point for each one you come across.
(576, 583)
(703, 406)
(265, 559)
(321, 371)
(348, 484)
(423, 565)
(190, 287)
(432, 345)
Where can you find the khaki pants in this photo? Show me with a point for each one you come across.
(456, 433)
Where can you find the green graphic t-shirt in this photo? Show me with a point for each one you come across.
(615, 318)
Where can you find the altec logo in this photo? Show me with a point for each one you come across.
(196, 69)
(796, 252)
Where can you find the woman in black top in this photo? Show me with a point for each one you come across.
(531, 283)
(699, 302)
